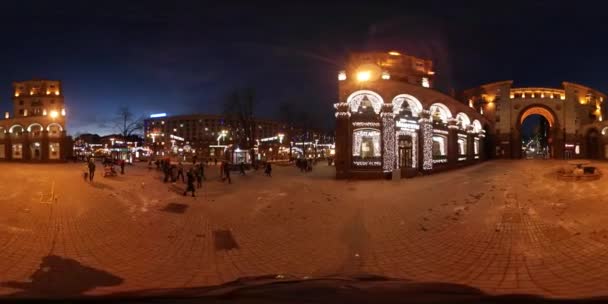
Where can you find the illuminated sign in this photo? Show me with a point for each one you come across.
(367, 163)
(407, 124)
(177, 137)
(157, 115)
(366, 124)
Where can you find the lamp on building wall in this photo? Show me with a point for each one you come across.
(6, 115)
(342, 75)
(54, 114)
(386, 75)
(63, 112)
(363, 76)
(44, 112)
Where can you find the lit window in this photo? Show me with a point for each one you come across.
(425, 82)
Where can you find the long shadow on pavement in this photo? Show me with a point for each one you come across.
(60, 277)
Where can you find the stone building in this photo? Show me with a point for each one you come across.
(573, 112)
(35, 131)
(390, 122)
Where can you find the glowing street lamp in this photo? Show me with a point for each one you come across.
(363, 76)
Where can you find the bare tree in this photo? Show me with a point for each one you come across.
(239, 106)
(126, 124)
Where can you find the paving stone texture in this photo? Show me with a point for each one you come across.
(501, 226)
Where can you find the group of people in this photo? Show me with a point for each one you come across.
(175, 172)
(108, 166)
(305, 164)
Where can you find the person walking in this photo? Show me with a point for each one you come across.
(85, 172)
(227, 172)
(268, 170)
(122, 166)
(180, 171)
(201, 170)
(190, 179)
(242, 168)
(199, 176)
(91, 169)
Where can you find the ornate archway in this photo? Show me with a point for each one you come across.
(554, 140)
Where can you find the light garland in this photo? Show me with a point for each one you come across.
(388, 134)
(462, 158)
(342, 114)
(355, 102)
(407, 124)
(440, 161)
(340, 104)
(427, 146)
(362, 163)
(366, 124)
(476, 156)
(476, 146)
(437, 131)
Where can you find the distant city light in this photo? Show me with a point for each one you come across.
(158, 115)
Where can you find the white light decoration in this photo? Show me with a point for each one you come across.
(427, 146)
(463, 120)
(342, 114)
(603, 131)
(386, 75)
(342, 75)
(476, 146)
(442, 143)
(354, 100)
(413, 103)
(462, 144)
(440, 160)
(462, 158)
(388, 136)
(577, 149)
(340, 104)
(437, 131)
(444, 111)
(368, 124)
(358, 135)
(62, 112)
(477, 126)
(425, 82)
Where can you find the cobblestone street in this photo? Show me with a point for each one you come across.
(501, 226)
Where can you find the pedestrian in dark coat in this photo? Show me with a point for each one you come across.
(122, 166)
(242, 168)
(268, 169)
(91, 170)
(227, 173)
(180, 171)
(199, 176)
(190, 183)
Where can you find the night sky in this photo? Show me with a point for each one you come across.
(184, 56)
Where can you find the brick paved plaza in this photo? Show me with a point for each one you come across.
(502, 226)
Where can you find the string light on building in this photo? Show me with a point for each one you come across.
(342, 75)
(427, 148)
(388, 134)
(386, 75)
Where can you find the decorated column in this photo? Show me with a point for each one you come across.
(388, 138)
(343, 134)
(426, 140)
(452, 141)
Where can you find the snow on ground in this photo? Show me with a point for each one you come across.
(502, 226)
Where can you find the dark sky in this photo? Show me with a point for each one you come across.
(184, 56)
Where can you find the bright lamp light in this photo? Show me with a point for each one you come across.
(363, 76)
(54, 114)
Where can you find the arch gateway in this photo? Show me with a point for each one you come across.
(573, 114)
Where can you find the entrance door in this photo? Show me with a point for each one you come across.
(35, 149)
(405, 151)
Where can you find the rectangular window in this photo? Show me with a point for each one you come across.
(462, 145)
(440, 146)
(54, 151)
(17, 151)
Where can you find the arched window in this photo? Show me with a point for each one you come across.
(364, 101)
(463, 120)
(440, 112)
(476, 126)
(407, 103)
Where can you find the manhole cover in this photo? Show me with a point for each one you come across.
(175, 208)
(224, 240)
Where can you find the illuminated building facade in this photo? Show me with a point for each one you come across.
(210, 136)
(35, 131)
(390, 122)
(574, 114)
